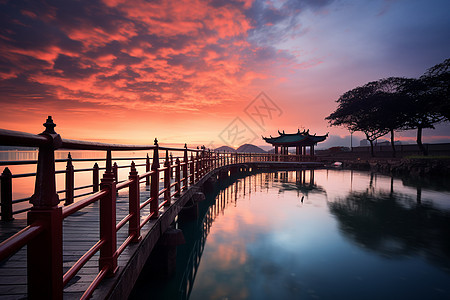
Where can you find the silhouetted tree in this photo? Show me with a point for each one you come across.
(360, 110)
(392, 101)
(421, 111)
(437, 83)
(396, 103)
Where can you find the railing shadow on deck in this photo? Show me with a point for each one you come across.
(43, 235)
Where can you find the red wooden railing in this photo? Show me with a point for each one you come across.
(43, 236)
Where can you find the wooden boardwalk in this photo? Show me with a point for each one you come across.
(80, 232)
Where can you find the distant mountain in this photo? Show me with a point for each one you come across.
(225, 148)
(250, 149)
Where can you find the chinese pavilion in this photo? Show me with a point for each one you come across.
(299, 140)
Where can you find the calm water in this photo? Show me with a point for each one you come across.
(356, 235)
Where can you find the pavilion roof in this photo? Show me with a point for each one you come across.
(300, 138)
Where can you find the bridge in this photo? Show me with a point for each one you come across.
(95, 243)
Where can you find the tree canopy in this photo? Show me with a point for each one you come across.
(396, 103)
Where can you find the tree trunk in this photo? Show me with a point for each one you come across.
(392, 143)
(419, 141)
(371, 148)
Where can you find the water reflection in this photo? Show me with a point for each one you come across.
(394, 225)
(189, 255)
(255, 239)
(301, 181)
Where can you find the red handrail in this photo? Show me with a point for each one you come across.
(20, 239)
(81, 262)
(70, 209)
(88, 293)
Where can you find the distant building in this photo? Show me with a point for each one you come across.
(299, 140)
(363, 143)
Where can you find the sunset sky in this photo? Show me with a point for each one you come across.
(206, 72)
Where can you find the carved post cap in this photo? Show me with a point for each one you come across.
(49, 126)
(185, 145)
(156, 142)
(6, 172)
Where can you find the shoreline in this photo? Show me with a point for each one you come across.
(415, 167)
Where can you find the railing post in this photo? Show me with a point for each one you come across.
(171, 163)
(95, 178)
(108, 255)
(177, 177)
(185, 168)
(69, 181)
(44, 253)
(147, 168)
(115, 169)
(134, 228)
(167, 176)
(192, 170)
(205, 162)
(154, 184)
(197, 166)
(6, 194)
(210, 162)
(202, 162)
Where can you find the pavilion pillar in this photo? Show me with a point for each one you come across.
(312, 151)
(297, 153)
